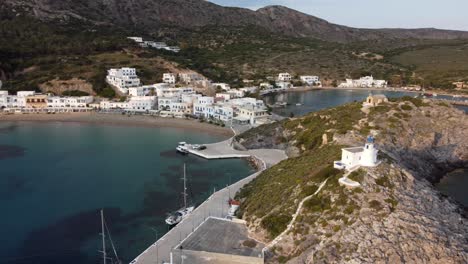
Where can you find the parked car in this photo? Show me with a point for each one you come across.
(202, 147)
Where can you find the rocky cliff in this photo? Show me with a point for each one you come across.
(395, 216)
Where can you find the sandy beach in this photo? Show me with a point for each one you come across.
(120, 120)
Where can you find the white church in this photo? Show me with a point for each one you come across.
(358, 156)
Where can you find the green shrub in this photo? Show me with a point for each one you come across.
(318, 204)
(275, 224)
(336, 228)
(309, 190)
(374, 204)
(383, 181)
(357, 175)
(393, 203)
(75, 93)
(249, 243)
(406, 107)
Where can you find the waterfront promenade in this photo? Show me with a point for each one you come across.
(216, 205)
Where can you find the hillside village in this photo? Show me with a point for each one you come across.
(175, 96)
(178, 95)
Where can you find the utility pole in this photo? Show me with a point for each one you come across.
(156, 244)
(103, 237)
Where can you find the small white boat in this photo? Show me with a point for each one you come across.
(298, 104)
(179, 215)
(182, 148)
(282, 104)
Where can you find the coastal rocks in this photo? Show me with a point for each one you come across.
(271, 136)
(428, 145)
(412, 224)
(324, 139)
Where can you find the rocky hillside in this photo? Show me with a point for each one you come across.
(150, 16)
(395, 216)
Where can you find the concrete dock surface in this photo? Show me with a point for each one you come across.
(216, 205)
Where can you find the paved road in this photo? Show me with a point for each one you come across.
(216, 205)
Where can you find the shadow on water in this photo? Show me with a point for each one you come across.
(62, 241)
(13, 185)
(9, 151)
(8, 128)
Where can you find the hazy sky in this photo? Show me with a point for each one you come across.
(446, 14)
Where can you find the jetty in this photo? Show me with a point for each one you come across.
(215, 206)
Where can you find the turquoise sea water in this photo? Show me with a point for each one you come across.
(55, 177)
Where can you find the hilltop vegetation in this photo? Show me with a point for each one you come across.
(338, 223)
(44, 40)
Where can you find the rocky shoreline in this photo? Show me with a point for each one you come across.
(397, 215)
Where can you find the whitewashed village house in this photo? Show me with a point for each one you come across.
(123, 79)
(364, 82)
(169, 78)
(310, 80)
(284, 77)
(358, 156)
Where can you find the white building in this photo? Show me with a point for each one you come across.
(136, 39)
(169, 78)
(266, 86)
(175, 49)
(69, 102)
(147, 89)
(251, 90)
(173, 92)
(310, 79)
(106, 104)
(253, 115)
(363, 82)
(283, 85)
(223, 96)
(123, 79)
(358, 156)
(203, 107)
(190, 77)
(223, 113)
(284, 77)
(142, 103)
(10, 101)
(236, 93)
(14, 101)
(25, 93)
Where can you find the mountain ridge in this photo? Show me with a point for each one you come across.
(150, 15)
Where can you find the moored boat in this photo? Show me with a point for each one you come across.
(179, 215)
(182, 148)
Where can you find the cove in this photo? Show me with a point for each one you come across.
(55, 177)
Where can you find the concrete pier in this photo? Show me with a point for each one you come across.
(216, 205)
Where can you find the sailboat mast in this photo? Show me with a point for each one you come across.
(185, 190)
(103, 237)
